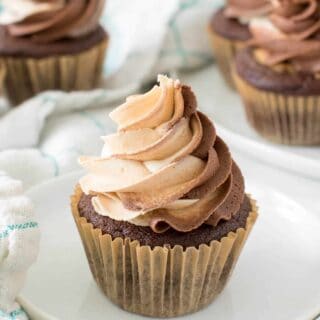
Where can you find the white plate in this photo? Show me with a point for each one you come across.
(277, 276)
(225, 108)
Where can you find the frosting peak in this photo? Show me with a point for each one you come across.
(165, 167)
(291, 34)
(155, 108)
(46, 20)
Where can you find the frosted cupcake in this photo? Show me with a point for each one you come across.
(229, 31)
(48, 45)
(278, 76)
(163, 213)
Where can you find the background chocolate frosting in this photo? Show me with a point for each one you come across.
(215, 192)
(71, 19)
(291, 35)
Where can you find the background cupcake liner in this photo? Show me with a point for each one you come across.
(224, 52)
(26, 77)
(163, 281)
(281, 118)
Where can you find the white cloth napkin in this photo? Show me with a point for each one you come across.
(19, 244)
(33, 152)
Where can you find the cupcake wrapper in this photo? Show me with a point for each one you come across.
(163, 281)
(26, 77)
(224, 52)
(281, 118)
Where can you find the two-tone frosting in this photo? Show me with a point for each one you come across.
(165, 167)
(244, 10)
(45, 21)
(290, 35)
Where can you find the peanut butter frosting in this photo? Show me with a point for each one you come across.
(245, 10)
(290, 35)
(165, 167)
(46, 21)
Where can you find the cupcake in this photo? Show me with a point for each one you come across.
(163, 213)
(48, 45)
(229, 31)
(278, 75)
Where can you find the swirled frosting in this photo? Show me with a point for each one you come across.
(290, 35)
(49, 20)
(165, 167)
(245, 10)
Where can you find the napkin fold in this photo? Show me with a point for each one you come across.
(19, 244)
(43, 137)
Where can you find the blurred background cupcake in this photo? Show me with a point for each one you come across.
(48, 45)
(278, 76)
(228, 30)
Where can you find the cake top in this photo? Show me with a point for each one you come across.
(290, 36)
(45, 21)
(19, 243)
(165, 167)
(245, 10)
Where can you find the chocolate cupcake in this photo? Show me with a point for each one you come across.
(278, 75)
(48, 45)
(229, 31)
(162, 214)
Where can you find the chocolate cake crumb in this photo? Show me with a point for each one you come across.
(203, 235)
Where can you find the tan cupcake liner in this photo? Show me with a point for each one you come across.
(2, 76)
(164, 281)
(26, 77)
(281, 118)
(224, 52)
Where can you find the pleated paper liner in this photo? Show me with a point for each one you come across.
(280, 118)
(224, 52)
(163, 281)
(26, 77)
(2, 75)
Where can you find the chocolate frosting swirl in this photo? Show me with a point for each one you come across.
(165, 167)
(291, 35)
(247, 9)
(46, 21)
